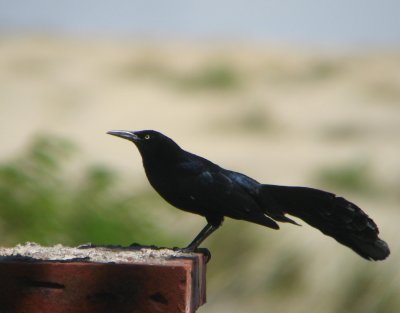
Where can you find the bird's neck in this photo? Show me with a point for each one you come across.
(162, 157)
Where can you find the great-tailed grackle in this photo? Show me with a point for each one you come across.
(195, 184)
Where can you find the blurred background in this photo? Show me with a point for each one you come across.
(296, 92)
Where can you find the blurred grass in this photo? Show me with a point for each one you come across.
(343, 132)
(211, 76)
(247, 118)
(288, 276)
(39, 203)
(221, 75)
(313, 70)
(361, 292)
(265, 93)
(353, 176)
(384, 91)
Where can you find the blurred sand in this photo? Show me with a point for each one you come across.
(81, 89)
(290, 113)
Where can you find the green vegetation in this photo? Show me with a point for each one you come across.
(251, 118)
(40, 203)
(311, 71)
(321, 69)
(354, 176)
(343, 132)
(269, 95)
(384, 91)
(364, 282)
(212, 76)
(215, 76)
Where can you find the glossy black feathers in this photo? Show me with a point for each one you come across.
(333, 216)
(194, 184)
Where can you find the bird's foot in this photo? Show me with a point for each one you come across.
(87, 246)
(184, 250)
(203, 251)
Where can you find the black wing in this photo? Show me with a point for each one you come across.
(218, 192)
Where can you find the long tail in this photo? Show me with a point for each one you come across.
(334, 216)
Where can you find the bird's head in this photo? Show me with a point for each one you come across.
(149, 142)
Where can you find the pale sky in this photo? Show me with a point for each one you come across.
(348, 22)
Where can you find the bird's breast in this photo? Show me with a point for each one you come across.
(173, 187)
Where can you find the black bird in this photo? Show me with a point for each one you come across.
(195, 184)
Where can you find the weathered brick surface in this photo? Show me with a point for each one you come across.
(172, 286)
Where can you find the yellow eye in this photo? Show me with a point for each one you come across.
(147, 137)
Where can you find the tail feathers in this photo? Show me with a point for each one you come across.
(333, 216)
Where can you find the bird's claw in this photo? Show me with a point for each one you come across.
(203, 251)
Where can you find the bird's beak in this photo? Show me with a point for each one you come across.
(129, 135)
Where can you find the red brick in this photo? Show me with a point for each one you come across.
(171, 286)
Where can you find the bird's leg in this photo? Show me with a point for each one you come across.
(204, 233)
